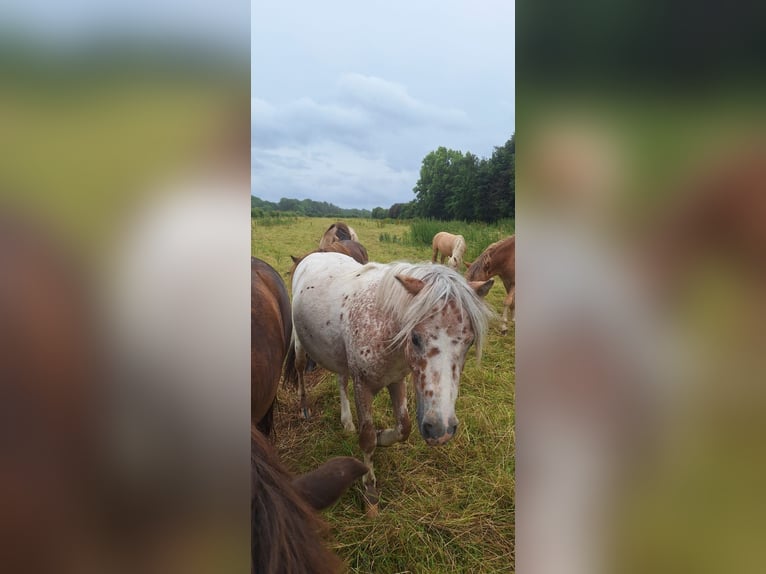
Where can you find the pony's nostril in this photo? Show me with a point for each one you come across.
(453, 429)
(428, 430)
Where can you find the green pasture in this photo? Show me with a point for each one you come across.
(446, 509)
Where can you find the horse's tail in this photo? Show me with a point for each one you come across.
(290, 371)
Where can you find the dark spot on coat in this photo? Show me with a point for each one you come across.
(341, 316)
(328, 322)
(433, 351)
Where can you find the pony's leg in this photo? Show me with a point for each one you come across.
(367, 442)
(345, 408)
(508, 303)
(300, 365)
(436, 252)
(387, 437)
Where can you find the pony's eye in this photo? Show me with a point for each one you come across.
(417, 341)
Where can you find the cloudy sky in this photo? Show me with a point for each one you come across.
(348, 96)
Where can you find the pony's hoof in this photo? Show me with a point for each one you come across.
(371, 500)
(504, 331)
(371, 510)
(306, 413)
(349, 428)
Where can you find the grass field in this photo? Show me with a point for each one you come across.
(445, 509)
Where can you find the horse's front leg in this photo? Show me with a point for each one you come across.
(508, 303)
(387, 437)
(367, 442)
(345, 408)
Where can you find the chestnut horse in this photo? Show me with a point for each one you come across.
(286, 532)
(338, 231)
(271, 328)
(450, 246)
(353, 249)
(377, 323)
(498, 259)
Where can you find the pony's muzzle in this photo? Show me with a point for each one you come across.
(436, 432)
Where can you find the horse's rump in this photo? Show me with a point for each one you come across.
(270, 334)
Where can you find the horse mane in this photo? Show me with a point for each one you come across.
(341, 231)
(478, 265)
(442, 284)
(286, 533)
(458, 249)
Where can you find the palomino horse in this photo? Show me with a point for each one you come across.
(338, 231)
(498, 259)
(271, 328)
(377, 323)
(286, 532)
(451, 246)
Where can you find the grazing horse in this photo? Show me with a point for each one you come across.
(377, 323)
(338, 231)
(498, 259)
(286, 532)
(271, 328)
(451, 246)
(349, 247)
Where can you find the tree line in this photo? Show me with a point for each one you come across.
(307, 207)
(456, 185)
(452, 186)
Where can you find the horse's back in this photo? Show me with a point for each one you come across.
(322, 284)
(356, 250)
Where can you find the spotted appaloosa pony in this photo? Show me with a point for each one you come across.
(286, 532)
(271, 328)
(498, 259)
(338, 231)
(377, 323)
(449, 246)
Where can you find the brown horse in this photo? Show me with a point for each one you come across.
(498, 259)
(451, 246)
(286, 533)
(338, 231)
(271, 328)
(349, 247)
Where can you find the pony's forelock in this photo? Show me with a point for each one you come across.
(442, 285)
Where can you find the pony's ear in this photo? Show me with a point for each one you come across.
(482, 287)
(413, 286)
(467, 263)
(296, 260)
(323, 486)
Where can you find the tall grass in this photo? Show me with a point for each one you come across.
(477, 235)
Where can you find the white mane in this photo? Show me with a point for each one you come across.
(442, 285)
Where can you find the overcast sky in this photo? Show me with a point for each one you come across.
(348, 96)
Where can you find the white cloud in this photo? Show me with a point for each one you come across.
(329, 172)
(391, 101)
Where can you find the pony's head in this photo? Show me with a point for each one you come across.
(440, 317)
